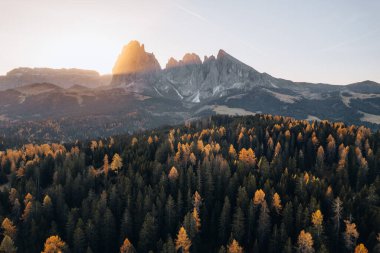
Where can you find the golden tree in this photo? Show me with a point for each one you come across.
(47, 201)
(54, 244)
(28, 198)
(8, 228)
(134, 141)
(247, 157)
(361, 249)
(127, 247)
(276, 202)
(259, 197)
(232, 152)
(234, 247)
(317, 220)
(105, 164)
(173, 174)
(305, 242)
(117, 162)
(350, 235)
(183, 242)
(27, 211)
(193, 159)
(196, 218)
(197, 200)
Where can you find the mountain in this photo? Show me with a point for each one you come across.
(223, 84)
(142, 95)
(61, 77)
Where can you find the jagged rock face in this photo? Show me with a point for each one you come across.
(195, 81)
(134, 59)
(188, 79)
(188, 59)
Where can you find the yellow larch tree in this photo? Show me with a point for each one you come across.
(105, 164)
(305, 242)
(127, 247)
(196, 218)
(234, 247)
(276, 202)
(117, 162)
(193, 159)
(350, 235)
(8, 228)
(183, 242)
(317, 220)
(232, 152)
(197, 200)
(259, 197)
(173, 174)
(27, 211)
(361, 249)
(54, 244)
(134, 141)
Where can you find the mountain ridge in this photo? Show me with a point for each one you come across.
(188, 89)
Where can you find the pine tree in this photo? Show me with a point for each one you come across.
(108, 231)
(79, 238)
(225, 220)
(264, 223)
(147, 235)
(170, 215)
(169, 246)
(7, 245)
(238, 225)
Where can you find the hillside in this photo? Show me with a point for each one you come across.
(247, 184)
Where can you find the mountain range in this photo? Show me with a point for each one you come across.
(75, 104)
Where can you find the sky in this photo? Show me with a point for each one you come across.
(324, 41)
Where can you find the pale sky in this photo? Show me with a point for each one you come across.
(326, 41)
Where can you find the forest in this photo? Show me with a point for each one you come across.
(221, 184)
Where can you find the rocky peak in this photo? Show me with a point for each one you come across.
(133, 59)
(172, 63)
(187, 59)
(191, 59)
(221, 54)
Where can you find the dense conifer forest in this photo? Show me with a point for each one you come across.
(223, 184)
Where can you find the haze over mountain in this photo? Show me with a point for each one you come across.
(61, 77)
(143, 95)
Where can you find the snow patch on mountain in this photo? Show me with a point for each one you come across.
(196, 98)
